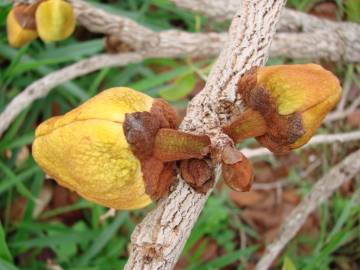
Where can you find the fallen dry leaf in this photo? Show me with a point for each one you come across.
(249, 198)
(291, 196)
(353, 119)
(326, 10)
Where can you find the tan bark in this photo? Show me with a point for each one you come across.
(158, 240)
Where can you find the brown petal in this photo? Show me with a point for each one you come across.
(198, 174)
(238, 176)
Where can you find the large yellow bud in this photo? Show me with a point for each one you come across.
(285, 105)
(21, 26)
(117, 149)
(55, 20)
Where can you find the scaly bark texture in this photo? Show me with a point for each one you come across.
(311, 37)
(158, 240)
(318, 38)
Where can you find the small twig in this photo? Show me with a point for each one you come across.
(310, 168)
(346, 90)
(338, 115)
(322, 190)
(355, 104)
(269, 186)
(52, 266)
(41, 87)
(108, 214)
(318, 139)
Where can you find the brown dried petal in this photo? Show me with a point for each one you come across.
(238, 176)
(165, 113)
(158, 177)
(25, 16)
(140, 129)
(231, 155)
(198, 174)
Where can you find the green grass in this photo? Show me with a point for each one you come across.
(71, 234)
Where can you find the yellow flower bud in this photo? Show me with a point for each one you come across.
(286, 105)
(86, 150)
(21, 27)
(55, 20)
(114, 149)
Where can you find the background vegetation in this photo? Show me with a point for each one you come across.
(43, 225)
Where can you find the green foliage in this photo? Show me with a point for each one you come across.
(352, 9)
(288, 264)
(5, 254)
(303, 5)
(179, 89)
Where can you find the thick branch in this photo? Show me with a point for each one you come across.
(327, 40)
(323, 39)
(322, 190)
(290, 20)
(328, 44)
(343, 38)
(140, 38)
(337, 115)
(158, 240)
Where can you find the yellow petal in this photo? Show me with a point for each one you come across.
(86, 150)
(55, 20)
(312, 119)
(18, 36)
(111, 105)
(295, 88)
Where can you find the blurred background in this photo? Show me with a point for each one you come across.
(44, 226)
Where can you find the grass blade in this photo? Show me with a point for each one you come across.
(4, 250)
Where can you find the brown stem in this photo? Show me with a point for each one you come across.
(171, 145)
(249, 124)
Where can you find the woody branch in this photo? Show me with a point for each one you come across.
(158, 240)
(174, 43)
(322, 39)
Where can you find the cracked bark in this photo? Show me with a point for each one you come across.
(158, 240)
(311, 37)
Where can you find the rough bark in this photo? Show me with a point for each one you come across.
(291, 20)
(321, 38)
(158, 240)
